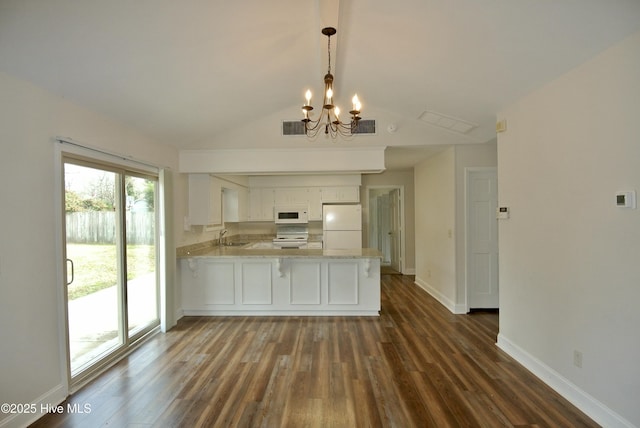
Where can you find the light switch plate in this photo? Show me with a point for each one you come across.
(502, 213)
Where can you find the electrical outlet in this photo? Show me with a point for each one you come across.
(577, 359)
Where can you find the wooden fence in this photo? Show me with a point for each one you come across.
(99, 227)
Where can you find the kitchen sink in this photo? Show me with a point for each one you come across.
(262, 245)
(235, 244)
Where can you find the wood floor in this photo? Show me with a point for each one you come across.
(417, 365)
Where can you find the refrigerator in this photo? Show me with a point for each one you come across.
(342, 226)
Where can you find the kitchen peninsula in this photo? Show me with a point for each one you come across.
(250, 280)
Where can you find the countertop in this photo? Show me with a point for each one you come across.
(224, 251)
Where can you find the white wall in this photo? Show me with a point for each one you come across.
(31, 368)
(434, 225)
(440, 221)
(569, 258)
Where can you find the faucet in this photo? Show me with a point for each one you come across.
(220, 238)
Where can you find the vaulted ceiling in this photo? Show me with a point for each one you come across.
(221, 74)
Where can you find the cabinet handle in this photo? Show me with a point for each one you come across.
(72, 272)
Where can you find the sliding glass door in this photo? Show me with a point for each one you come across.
(110, 250)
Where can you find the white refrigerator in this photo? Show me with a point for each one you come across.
(342, 226)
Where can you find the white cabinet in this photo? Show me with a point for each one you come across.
(315, 204)
(235, 204)
(340, 194)
(292, 196)
(261, 200)
(205, 199)
(261, 203)
(280, 286)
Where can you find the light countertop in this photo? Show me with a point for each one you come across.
(217, 251)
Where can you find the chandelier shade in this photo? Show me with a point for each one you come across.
(328, 119)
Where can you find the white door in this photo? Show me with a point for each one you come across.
(384, 228)
(482, 239)
(395, 226)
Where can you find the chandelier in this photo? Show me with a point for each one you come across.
(329, 117)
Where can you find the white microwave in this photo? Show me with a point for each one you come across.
(291, 214)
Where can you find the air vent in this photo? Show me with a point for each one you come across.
(296, 127)
(366, 126)
(292, 127)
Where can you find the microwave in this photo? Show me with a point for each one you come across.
(291, 214)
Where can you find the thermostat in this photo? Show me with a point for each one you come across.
(626, 199)
(502, 213)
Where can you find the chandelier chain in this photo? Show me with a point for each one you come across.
(329, 54)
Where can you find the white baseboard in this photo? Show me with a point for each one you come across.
(444, 300)
(411, 271)
(53, 397)
(583, 401)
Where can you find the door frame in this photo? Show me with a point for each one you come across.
(65, 147)
(468, 171)
(401, 218)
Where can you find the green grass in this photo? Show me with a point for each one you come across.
(95, 266)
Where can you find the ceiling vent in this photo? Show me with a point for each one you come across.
(447, 122)
(292, 127)
(296, 127)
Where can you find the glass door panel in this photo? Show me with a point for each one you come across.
(111, 263)
(93, 264)
(142, 290)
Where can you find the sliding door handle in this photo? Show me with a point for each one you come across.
(72, 271)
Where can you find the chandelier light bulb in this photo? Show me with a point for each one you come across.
(329, 94)
(356, 102)
(337, 111)
(307, 95)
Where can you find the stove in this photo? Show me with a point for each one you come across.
(291, 236)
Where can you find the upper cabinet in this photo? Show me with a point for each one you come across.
(205, 200)
(292, 196)
(261, 203)
(234, 204)
(217, 199)
(340, 194)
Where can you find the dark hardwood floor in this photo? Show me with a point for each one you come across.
(417, 365)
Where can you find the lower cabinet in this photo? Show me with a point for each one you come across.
(280, 286)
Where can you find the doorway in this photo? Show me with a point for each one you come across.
(385, 208)
(482, 238)
(110, 252)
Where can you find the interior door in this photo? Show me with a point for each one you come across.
(482, 239)
(395, 229)
(384, 228)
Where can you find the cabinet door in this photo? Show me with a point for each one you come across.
(341, 194)
(205, 199)
(292, 196)
(315, 204)
(267, 202)
(215, 201)
(255, 205)
(243, 204)
(261, 203)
